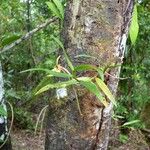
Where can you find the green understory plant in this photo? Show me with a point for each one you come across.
(95, 84)
(134, 92)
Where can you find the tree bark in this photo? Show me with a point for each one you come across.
(4, 145)
(97, 28)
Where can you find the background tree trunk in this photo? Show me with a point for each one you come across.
(3, 119)
(97, 28)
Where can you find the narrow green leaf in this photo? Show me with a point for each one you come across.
(84, 56)
(86, 79)
(131, 122)
(58, 42)
(64, 51)
(2, 111)
(62, 84)
(45, 81)
(94, 89)
(54, 9)
(9, 40)
(84, 67)
(134, 27)
(36, 69)
(106, 91)
(57, 85)
(101, 73)
(59, 7)
(50, 72)
(118, 116)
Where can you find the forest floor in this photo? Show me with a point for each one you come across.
(135, 139)
(25, 140)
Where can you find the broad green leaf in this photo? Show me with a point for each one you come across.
(2, 111)
(106, 91)
(54, 9)
(9, 40)
(94, 89)
(50, 72)
(59, 7)
(64, 51)
(134, 27)
(131, 122)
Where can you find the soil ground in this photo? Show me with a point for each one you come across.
(25, 140)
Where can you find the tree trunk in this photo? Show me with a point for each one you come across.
(97, 28)
(3, 119)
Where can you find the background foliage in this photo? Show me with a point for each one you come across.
(134, 93)
(19, 16)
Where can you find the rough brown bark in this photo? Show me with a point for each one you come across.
(97, 28)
